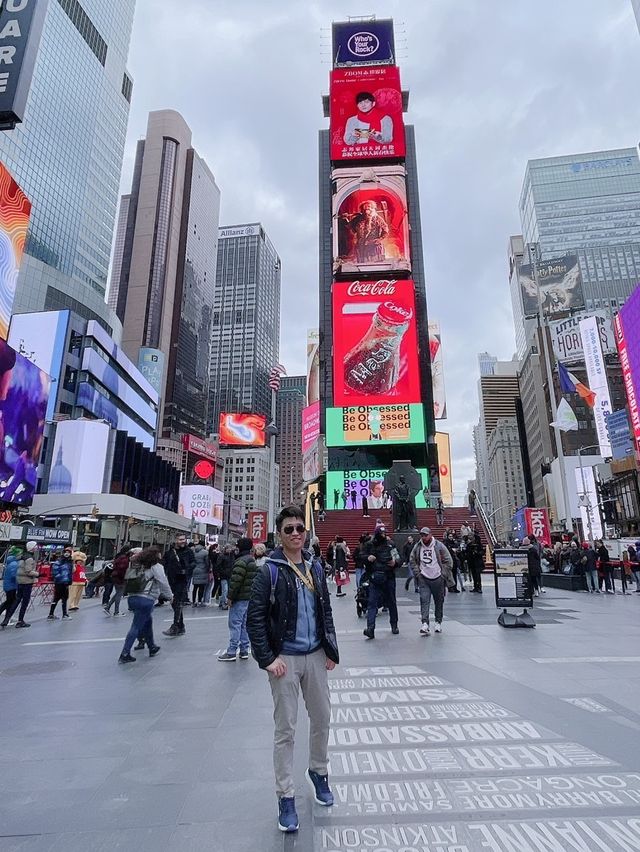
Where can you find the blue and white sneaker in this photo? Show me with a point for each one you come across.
(287, 816)
(320, 786)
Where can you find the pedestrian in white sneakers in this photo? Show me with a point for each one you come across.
(432, 567)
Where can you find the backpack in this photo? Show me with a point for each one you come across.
(135, 580)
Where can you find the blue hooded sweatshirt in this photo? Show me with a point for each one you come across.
(10, 575)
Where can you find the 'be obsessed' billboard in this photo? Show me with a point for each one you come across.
(366, 113)
(370, 220)
(384, 424)
(375, 343)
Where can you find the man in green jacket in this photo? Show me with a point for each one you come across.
(244, 571)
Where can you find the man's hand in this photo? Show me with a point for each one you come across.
(330, 665)
(371, 558)
(278, 667)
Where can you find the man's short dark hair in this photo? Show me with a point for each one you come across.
(289, 512)
(365, 96)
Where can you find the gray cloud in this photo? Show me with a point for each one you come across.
(493, 83)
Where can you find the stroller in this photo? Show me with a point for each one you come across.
(362, 596)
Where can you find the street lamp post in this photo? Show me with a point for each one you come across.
(584, 489)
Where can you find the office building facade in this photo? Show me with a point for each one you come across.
(247, 478)
(245, 326)
(586, 205)
(290, 401)
(506, 476)
(165, 266)
(67, 156)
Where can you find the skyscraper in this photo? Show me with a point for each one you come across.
(167, 267)
(245, 333)
(290, 400)
(67, 155)
(586, 205)
(636, 9)
(371, 170)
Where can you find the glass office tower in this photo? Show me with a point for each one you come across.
(245, 326)
(587, 205)
(67, 154)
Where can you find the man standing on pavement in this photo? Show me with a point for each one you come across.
(432, 567)
(179, 563)
(381, 567)
(290, 625)
(242, 577)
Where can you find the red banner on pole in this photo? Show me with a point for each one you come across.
(537, 522)
(257, 526)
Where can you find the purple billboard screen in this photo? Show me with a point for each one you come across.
(630, 314)
(24, 394)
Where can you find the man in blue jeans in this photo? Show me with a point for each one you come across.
(242, 576)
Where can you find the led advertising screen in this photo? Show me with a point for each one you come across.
(362, 42)
(151, 365)
(384, 424)
(15, 210)
(201, 503)
(243, 430)
(444, 465)
(310, 425)
(366, 113)
(560, 283)
(313, 365)
(437, 372)
(627, 324)
(79, 457)
(365, 483)
(370, 220)
(24, 394)
(41, 338)
(375, 343)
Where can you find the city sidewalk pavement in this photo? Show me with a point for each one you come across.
(476, 738)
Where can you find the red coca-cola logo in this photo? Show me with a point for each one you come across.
(371, 288)
(390, 312)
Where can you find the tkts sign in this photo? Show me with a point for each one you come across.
(257, 526)
(537, 523)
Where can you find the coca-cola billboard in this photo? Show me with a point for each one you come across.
(257, 526)
(370, 221)
(375, 343)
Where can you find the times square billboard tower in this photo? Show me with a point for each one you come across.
(375, 366)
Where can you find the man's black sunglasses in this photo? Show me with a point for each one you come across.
(299, 528)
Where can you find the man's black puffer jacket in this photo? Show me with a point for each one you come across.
(269, 624)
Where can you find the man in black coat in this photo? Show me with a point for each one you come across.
(179, 563)
(290, 625)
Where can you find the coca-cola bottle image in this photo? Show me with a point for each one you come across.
(373, 365)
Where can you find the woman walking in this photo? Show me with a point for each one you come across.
(145, 581)
(62, 578)
(201, 575)
(341, 556)
(118, 571)
(12, 565)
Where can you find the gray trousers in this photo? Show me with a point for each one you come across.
(427, 588)
(309, 673)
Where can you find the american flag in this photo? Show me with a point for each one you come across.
(275, 375)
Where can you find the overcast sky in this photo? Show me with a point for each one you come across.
(493, 83)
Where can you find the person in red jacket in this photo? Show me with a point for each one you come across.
(118, 570)
(79, 580)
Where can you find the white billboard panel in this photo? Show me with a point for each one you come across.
(597, 375)
(79, 457)
(201, 504)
